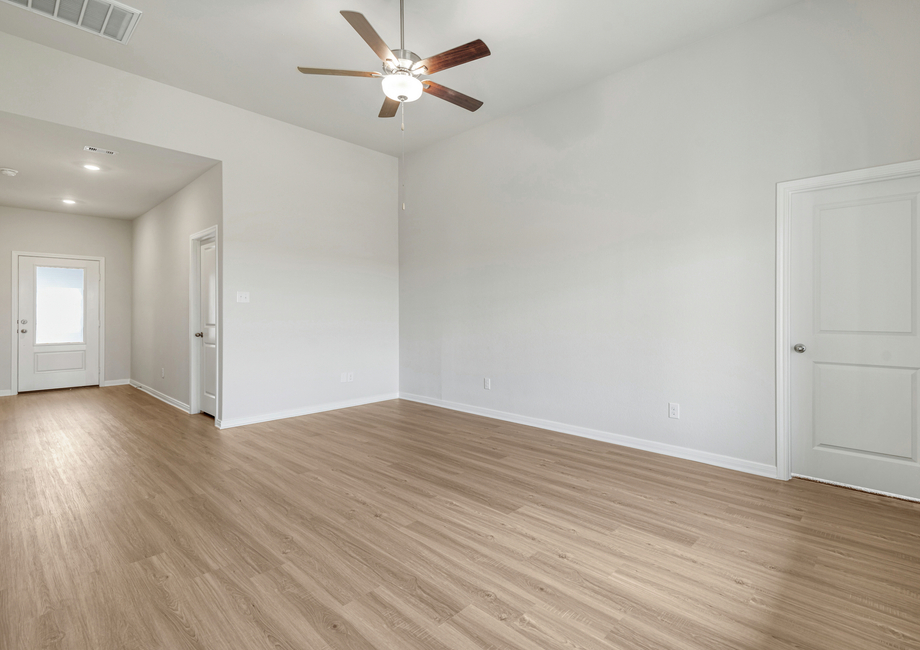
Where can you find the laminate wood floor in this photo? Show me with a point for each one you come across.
(397, 526)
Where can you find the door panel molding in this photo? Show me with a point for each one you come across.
(194, 319)
(15, 317)
(785, 192)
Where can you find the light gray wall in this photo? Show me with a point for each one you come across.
(310, 229)
(51, 232)
(603, 254)
(161, 283)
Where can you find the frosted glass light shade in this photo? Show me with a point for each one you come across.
(402, 87)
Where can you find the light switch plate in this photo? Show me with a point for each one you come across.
(242, 296)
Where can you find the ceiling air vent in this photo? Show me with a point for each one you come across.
(108, 152)
(112, 20)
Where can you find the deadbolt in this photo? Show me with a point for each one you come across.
(23, 321)
(799, 348)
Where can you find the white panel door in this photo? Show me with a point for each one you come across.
(208, 333)
(58, 323)
(854, 324)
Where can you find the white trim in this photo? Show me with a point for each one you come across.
(738, 464)
(6, 393)
(14, 312)
(857, 488)
(163, 397)
(117, 382)
(784, 194)
(309, 410)
(194, 317)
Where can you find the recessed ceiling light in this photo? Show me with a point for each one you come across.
(8, 172)
(92, 168)
(68, 201)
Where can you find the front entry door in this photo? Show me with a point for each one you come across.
(856, 360)
(208, 333)
(58, 323)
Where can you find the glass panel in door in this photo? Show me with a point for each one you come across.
(59, 312)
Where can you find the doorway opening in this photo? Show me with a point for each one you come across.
(204, 324)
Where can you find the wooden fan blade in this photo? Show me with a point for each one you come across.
(452, 96)
(389, 108)
(451, 58)
(371, 37)
(339, 73)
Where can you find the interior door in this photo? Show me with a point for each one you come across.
(854, 323)
(58, 323)
(208, 333)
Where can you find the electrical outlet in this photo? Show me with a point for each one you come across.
(351, 376)
(674, 411)
(487, 383)
(242, 296)
(162, 372)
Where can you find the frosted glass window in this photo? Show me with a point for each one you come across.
(58, 305)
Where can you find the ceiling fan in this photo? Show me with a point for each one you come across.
(402, 69)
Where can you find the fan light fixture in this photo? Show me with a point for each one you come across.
(92, 168)
(402, 87)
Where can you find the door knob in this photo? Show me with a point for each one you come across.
(799, 348)
(199, 334)
(23, 331)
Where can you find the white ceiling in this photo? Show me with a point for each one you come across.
(245, 53)
(50, 159)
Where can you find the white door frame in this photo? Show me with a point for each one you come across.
(14, 312)
(784, 194)
(194, 319)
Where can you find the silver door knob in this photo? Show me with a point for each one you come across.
(799, 348)
(199, 334)
(23, 331)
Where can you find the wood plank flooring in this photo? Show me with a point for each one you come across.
(396, 526)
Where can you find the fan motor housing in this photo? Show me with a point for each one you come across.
(404, 57)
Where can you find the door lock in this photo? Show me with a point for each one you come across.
(799, 348)
(23, 331)
(199, 334)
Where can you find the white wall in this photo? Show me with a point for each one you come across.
(160, 331)
(51, 232)
(603, 254)
(310, 229)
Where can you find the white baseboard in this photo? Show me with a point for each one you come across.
(709, 458)
(117, 382)
(319, 408)
(5, 393)
(160, 396)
